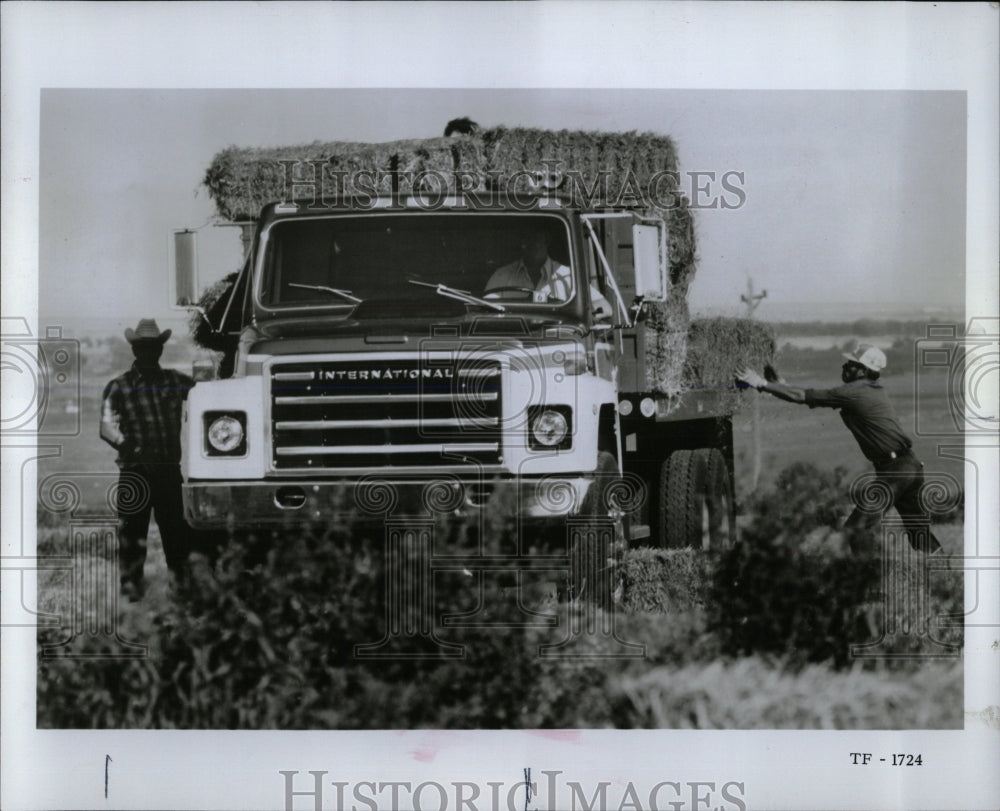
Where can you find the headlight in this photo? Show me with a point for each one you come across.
(225, 434)
(549, 428)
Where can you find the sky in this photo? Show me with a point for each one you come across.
(855, 200)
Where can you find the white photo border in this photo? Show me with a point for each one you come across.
(678, 45)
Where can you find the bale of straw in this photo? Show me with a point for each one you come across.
(618, 155)
(666, 327)
(667, 322)
(242, 180)
(718, 347)
(663, 580)
(681, 244)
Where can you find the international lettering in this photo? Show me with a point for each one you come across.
(440, 373)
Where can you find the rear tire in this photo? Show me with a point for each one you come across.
(695, 500)
(719, 516)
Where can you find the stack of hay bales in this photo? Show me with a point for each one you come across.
(241, 181)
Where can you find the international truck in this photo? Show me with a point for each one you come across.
(376, 351)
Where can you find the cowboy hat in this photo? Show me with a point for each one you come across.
(146, 330)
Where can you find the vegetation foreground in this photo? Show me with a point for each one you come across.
(758, 636)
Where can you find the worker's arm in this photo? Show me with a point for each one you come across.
(783, 391)
(791, 394)
(110, 425)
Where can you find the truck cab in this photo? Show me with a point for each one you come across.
(422, 348)
(461, 353)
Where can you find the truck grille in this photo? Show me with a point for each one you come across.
(385, 413)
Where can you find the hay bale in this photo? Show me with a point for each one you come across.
(668, 322)
(242, 180)
(718, 347)
(643, 155)
(705, 354)
(666, 327)
(681, 244)
(664, 580)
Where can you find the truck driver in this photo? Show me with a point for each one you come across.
(536, 270)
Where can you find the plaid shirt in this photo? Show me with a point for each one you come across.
(141, 414)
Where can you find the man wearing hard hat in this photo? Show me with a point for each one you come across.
(866, 411)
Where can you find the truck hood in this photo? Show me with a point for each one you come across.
(323, 333)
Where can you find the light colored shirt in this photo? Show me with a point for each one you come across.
(555, 283)
(555, 280)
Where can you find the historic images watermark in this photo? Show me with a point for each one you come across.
(966, 370)
(318, 184)
(313, 790)
(44, 375)
(42, 381)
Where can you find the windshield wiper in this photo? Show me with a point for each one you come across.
(460, 295)
(345, 293)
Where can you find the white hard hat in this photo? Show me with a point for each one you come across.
(871, 357)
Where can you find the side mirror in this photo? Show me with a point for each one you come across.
(185, 269)
(650, 257)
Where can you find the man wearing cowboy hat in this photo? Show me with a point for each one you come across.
(141, 419)
(866, 411)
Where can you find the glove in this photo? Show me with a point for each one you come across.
(771, 374)
(751, 378)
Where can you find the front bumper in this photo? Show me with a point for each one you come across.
(215, 504)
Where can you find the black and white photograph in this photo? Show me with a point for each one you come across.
(488, 436)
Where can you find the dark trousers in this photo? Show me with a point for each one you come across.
(144, 490)
(901, 479)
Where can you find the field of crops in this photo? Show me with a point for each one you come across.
(756, 637)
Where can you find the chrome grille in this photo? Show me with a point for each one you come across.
(399, 413)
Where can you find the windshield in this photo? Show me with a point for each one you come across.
(340, 262)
